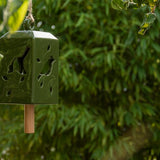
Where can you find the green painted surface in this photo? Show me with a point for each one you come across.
(29, 68)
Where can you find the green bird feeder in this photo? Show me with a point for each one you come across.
(29, 70)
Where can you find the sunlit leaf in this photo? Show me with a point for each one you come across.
(148, 21)
(3, 3)
(119, 4)
(16, 19)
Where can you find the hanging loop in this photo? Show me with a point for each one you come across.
(28, 23)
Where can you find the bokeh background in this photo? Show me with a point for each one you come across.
(109, 88)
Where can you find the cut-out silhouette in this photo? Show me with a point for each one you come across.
(47, 68)
(19, 63)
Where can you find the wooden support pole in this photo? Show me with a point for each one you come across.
(29, 118)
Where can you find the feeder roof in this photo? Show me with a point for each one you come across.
(29, 34)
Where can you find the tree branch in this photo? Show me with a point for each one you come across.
(131, 142)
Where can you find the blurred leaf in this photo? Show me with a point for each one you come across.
(118, 4)
(3, 3)
(147, 22)
(16, 19)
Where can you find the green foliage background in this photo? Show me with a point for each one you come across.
(109, 80)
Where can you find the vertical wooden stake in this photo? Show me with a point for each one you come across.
(29, 118)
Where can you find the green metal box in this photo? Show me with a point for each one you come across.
(29, 68)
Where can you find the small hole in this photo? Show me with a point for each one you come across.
(38, 60)
(10, 70)
(41, 84)
(4, 78)
(51, 90)
(8, 93)
(48, 47)
(22, 79)
(39, 76)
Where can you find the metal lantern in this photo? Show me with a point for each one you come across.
(29, 68)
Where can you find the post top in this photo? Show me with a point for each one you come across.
(29, 34)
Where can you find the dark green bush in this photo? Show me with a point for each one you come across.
(108, 81)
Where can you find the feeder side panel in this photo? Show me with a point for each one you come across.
(15, 70)
(45, 69)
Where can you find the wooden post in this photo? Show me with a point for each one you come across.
(29, 118)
